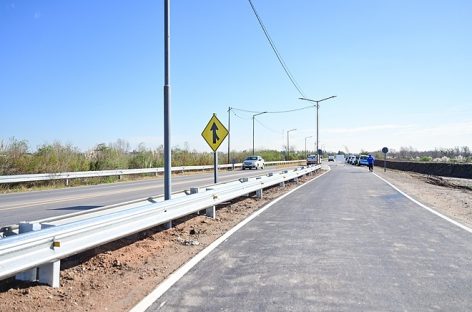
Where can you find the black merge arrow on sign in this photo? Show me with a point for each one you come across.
(214, 128)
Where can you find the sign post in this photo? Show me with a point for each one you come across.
(214, 134)
(385, 151)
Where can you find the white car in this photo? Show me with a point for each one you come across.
(256, 162)
(312, 160)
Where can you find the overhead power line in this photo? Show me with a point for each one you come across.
(270, 112)
(290, 110)
(274, 48)
(268, 128)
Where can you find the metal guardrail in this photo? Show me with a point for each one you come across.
(5, 179)
(36, 255)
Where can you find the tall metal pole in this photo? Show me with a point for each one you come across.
(317, 119)
(317, 131)
(229, 132)
(167, 144)
(253, 116)
(288, 143)
(215, 167)
(306, 153)
(288, 146)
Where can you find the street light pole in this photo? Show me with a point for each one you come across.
(317, 119)
(229, 131)
(167, 144)
(253, 117)
(306, 154)
(288, 143)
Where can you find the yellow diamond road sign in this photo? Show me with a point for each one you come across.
(214, 133)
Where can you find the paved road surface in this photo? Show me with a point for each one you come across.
(346, 242)
(37, 205)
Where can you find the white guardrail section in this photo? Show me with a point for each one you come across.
(36, 255)
(4, 179)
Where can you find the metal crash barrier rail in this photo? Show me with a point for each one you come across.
(36, 255)
(6, 179)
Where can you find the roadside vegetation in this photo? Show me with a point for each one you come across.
(17, 157)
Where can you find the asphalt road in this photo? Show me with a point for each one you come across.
(28, 206)
(345, 242)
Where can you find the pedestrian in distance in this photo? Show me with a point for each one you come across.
(370, 162)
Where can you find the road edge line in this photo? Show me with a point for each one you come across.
(167, 283)
(456, 223)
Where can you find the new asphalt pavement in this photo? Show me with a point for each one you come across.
(344, 242)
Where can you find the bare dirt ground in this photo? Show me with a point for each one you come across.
(116, 276)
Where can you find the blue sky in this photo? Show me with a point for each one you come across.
(87, 72)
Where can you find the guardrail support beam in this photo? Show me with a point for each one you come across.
(50, 273)
(30, 275)
(259, 193)
(168, 225)
(211, 212)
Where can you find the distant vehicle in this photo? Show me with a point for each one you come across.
(363, 160)
(353, 159)
(340, 158)
(312, 160)
(349, 159)
(256, 162)
(331, 158)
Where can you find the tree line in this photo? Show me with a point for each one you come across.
(16, 157)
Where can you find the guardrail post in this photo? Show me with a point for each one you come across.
(50, 273)
(282, 184)
(211, 212)
(67, 182)
(259, 193)
(47, 273)
(194, 190)
(30, 275)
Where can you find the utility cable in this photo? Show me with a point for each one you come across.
(290, 110)
(274, 48)
(272, 112)
(272, 130)
(244, 118)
